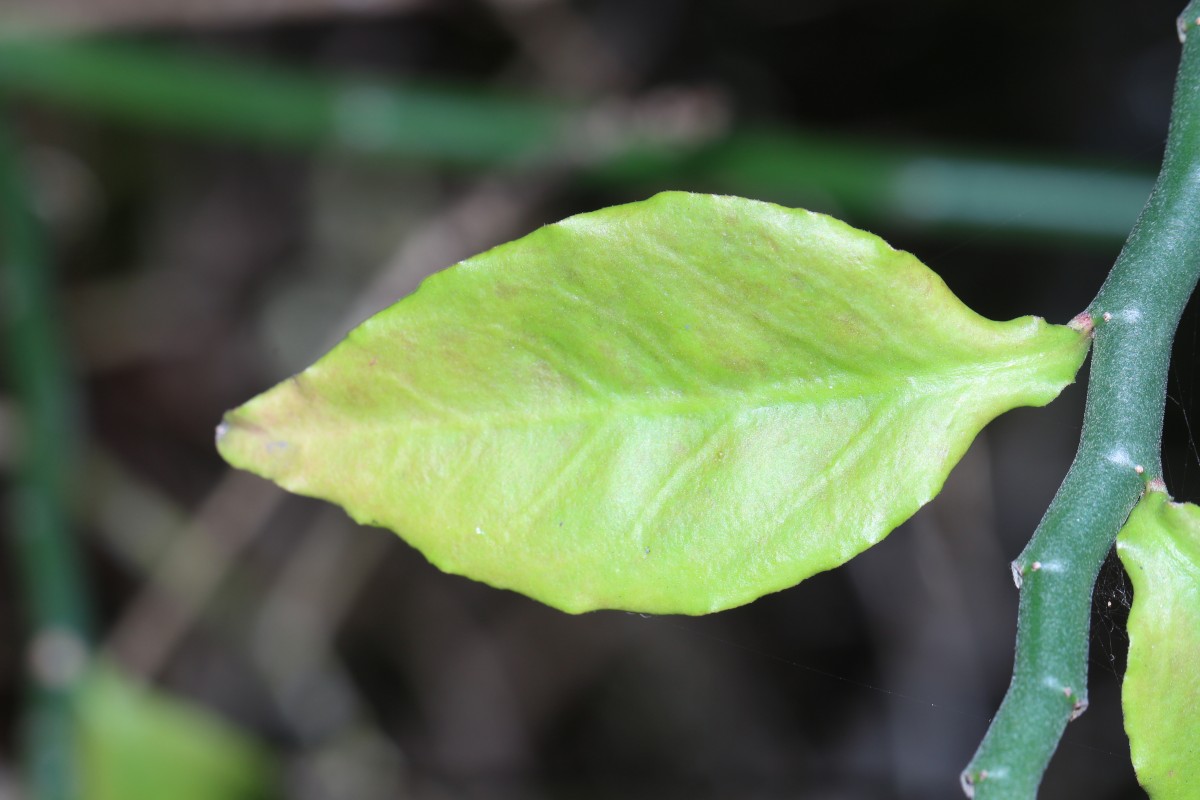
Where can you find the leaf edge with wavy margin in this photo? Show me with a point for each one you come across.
(763, 276)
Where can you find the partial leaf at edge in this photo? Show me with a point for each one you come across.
(1160, 548)
(672, 406)
(139, 743)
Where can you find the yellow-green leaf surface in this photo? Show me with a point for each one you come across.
(1160, 548)
(672, 406)
(140, 744)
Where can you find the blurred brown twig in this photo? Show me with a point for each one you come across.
(76, 16)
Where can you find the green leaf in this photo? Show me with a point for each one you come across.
(140, 744)
(1160, 548)
(673, 406)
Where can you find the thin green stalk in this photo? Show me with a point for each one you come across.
(284, 108)
(1135, 315)
(44, 552)
(278, 107)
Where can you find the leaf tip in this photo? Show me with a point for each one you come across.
(222, 432)
(247, 445)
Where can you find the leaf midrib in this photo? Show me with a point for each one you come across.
(718, 403)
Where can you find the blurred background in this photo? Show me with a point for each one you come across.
(199, 198)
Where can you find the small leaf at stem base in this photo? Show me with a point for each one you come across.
(1160, 548)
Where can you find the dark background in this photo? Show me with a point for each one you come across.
(196, 270)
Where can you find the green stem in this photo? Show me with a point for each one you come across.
(1135, 315)
(284, 108)
(46, 560)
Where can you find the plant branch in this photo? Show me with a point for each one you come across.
(1135, 315)
(44, 552)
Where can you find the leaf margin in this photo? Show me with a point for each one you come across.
(1072, 340)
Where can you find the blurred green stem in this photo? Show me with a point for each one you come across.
(1135, 315)
(45, 556)
(630, 144)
